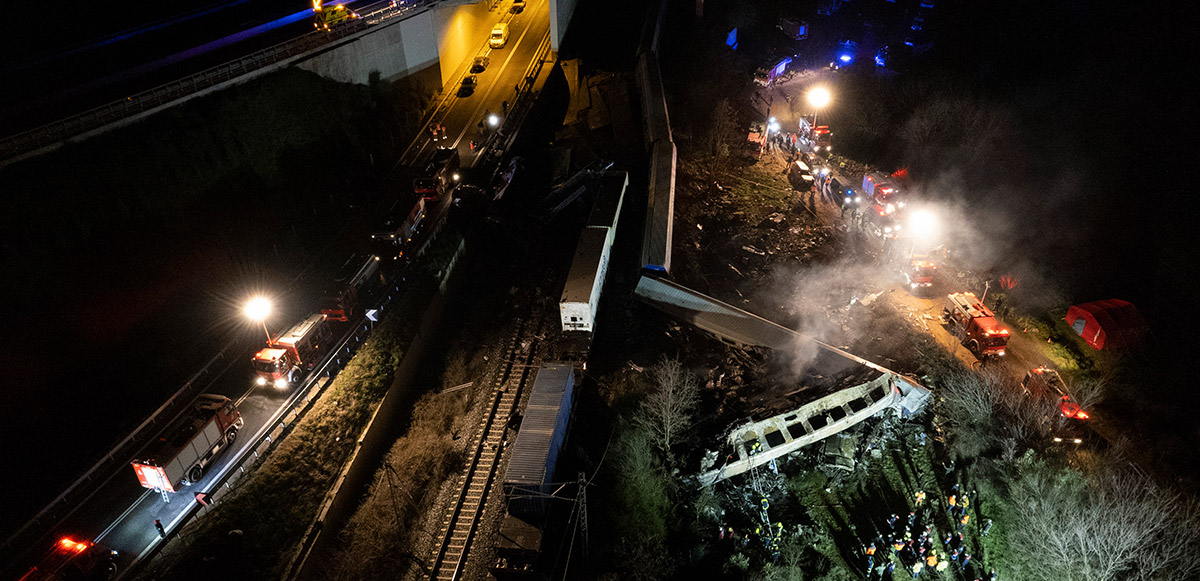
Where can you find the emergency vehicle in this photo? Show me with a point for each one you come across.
(289, 356)
(975, 326)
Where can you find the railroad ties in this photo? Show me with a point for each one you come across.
(461, 520)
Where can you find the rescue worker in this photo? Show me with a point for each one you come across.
(962, 522)
(953, 501)
(920, 496)
(931, 560)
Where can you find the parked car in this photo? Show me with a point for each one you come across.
(480, 64)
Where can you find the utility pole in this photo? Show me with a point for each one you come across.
(583, 521)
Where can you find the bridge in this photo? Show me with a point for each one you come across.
(391, 39)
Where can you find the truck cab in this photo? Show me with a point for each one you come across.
(975, 326)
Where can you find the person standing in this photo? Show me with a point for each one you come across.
(162, 532)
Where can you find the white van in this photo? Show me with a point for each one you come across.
(499, 36)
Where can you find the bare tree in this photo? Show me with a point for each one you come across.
(666, 413)
(989, 411)
(722, 130)
(1118, 525)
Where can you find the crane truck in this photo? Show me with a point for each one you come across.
(289, 356)
(188, 447)
(976, 327)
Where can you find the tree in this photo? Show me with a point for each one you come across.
(722, 130)
(666, 414)
(1119, 524)
(990, 412)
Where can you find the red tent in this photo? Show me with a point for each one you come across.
(1110, 324)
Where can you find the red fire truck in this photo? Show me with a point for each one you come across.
(186, 449)
(288, 356)
(69, 559)
(439, 175)
(882, 193)
(920, 271)
(357, 277)
(975, 326)
(1069, 426)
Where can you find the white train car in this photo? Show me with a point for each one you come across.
(585, 280)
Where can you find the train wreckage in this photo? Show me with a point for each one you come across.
(759, 442)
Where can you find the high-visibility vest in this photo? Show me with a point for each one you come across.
(931, 560)
(952, 500)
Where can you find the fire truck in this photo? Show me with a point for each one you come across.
(289, 356)
(69, 560)
(357, 277)
(882, 194)
(975, 326)
(919, 272)
(391, 236)
(1069, 424)
(439, 175)
(186, 449)
(822, 140)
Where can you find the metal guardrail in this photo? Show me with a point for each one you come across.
(297, 404)
(103, 115)
(65, 503)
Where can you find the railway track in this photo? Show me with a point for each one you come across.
(461, 520)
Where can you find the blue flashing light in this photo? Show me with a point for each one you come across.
(879, 61)
(845, 58)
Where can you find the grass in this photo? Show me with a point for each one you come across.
(276, 501)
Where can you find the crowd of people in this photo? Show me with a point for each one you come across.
(916, 544)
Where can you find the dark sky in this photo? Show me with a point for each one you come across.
(1102, 87)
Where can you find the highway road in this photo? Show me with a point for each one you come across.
(118, 512)
(503, 81)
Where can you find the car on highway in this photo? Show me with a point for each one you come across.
(499, 36)
(518, 6)
(480, 64)
(468, 86)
